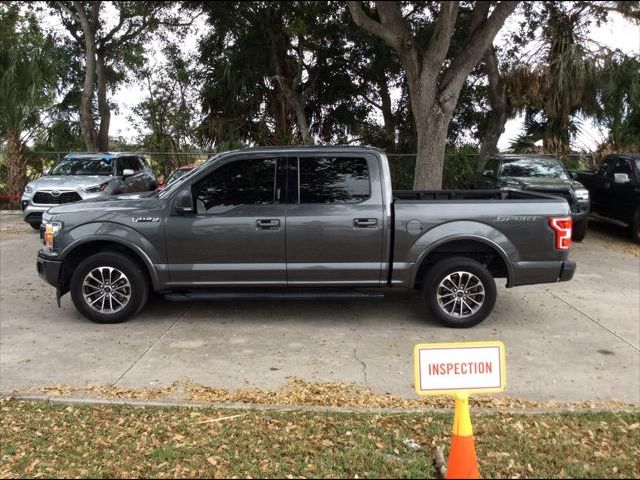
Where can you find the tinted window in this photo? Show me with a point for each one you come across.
(604, 167)
(243, 182)
(83, 166)
(533, 167)
(623, 166)
(131, 163)
(334, 180)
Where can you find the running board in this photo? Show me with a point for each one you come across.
(296, 293)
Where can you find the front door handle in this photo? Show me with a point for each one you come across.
(268, 224)
(365, 222)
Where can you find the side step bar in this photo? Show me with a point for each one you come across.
(293, 293)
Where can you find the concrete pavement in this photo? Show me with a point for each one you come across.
(571, 341)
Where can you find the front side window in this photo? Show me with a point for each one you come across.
(128, 163)
(604, 167)
(242, 182)
(491, 167)
(623, 166)
(334, 180)
(83, 166)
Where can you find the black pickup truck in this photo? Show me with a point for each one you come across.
(615, 190)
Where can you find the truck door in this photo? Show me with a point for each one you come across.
(236, 235)
(621, 199)
(335, 227)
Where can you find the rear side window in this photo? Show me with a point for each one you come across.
(605, 165)
(334, 180)
(243, 182)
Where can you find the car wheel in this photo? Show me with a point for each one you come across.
(579, 231)
(460, 292)
(109, 287)
(635, 227)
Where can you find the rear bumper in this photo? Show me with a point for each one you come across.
(48, 268)
(529, 273)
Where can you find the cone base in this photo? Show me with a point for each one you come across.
(463, 462)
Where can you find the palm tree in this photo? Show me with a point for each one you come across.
(28, 65)
(558, 82)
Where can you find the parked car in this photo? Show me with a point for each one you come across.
(80, 176)
(176, 174)
(299, 222)
(538, 173)
(615, 190)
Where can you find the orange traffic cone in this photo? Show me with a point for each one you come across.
(463, 462)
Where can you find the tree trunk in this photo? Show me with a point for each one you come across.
(301, 120)
(387, 115)
(16, 164)
(103, 105)
(497, 117)
(430, 150)
(87, 124)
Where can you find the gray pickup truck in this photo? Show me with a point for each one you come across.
(300, 222)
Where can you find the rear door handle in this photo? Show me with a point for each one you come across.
(365, 222)
(268, 224)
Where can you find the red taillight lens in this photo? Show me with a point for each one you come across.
(562, 226)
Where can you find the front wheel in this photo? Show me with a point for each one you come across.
(460, 292)
(109, 287)
(579, 231)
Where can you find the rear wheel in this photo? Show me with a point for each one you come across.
(579, 231)
(460, 292)
(109, 287)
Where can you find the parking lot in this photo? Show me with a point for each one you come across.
(571, 341)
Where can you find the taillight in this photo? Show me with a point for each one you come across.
(562, 226)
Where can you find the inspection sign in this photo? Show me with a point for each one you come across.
(471, 367)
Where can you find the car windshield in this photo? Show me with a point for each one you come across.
(176, 175)
(83, 166)
(533, 167)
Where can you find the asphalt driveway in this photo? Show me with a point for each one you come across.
(577, 340)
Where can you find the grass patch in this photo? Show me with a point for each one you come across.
(116, 441)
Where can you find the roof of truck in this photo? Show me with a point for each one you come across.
(100, 154)
(289, 148)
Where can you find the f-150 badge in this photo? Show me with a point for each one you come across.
(145, 219)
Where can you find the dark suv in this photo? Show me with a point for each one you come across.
(538, 173)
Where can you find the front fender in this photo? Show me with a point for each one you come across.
(120, 234)
(461, 230)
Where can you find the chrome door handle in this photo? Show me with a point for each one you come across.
(365, 222)
(268, 224)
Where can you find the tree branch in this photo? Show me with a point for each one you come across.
(441, 37)
(364, 21)
(475, 48)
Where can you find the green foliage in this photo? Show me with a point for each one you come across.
(29, 65)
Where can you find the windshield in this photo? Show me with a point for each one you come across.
(83, 166)
(176, 175)
(533, 167)
(175, 184)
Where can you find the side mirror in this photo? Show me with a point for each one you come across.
(184, 202)
(620, 178)
(488, 173)
(573, 175)
(127, 172)
(45, 171)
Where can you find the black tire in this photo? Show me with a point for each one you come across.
(439, 272)
(579, 231)
(138, 289)
(635, 227)
(34, 225)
